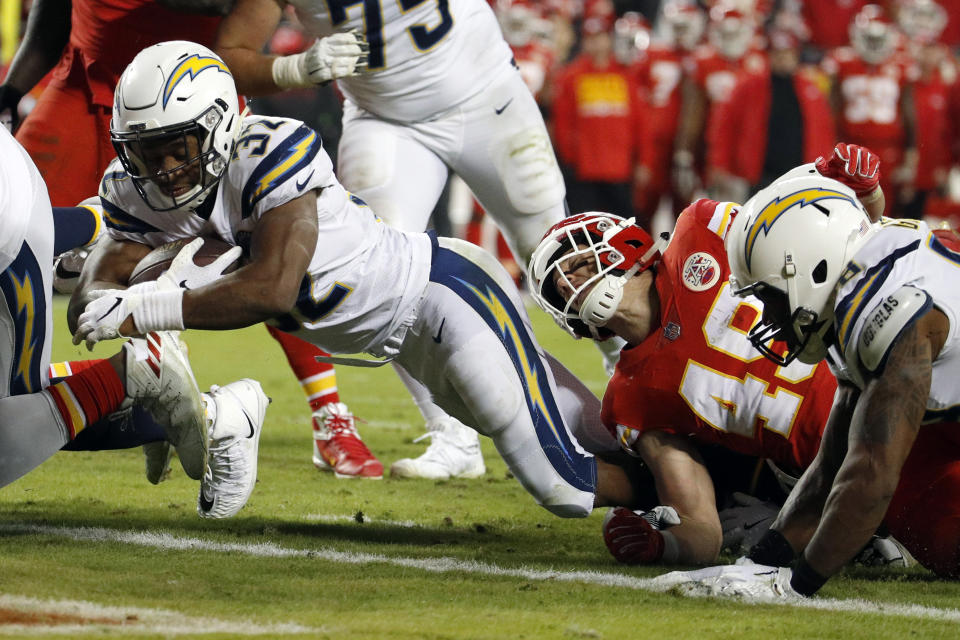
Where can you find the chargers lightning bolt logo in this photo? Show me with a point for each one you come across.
(191, 66)
(24, 296)
(772, 212)
(509, 330)
(297, 153)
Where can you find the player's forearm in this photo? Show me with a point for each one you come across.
(697, 542)
(252, 70)
(237, 300)
(201, 7)
(46, 35)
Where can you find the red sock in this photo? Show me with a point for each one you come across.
(68, 368)
(318, 380)
(87, 396)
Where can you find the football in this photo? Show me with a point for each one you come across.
(157, 261)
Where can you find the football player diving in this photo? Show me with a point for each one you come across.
(318, 263)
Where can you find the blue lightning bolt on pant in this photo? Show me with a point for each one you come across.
(473, 348)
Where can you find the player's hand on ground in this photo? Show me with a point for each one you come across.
(184, 273)
(745, 522)
(337, 56)
(853, 165)
(748, 581)
(633, 537)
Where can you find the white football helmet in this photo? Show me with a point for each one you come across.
(169, 94)
(872, 35)
(731, 31)
(683, 23)
(789, 246)
(922, 20)
(631, 37)
(617, 248)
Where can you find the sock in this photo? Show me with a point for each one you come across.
(60, 370)
(87, 396)
(318, 380)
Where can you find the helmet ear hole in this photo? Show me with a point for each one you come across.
(819, 274)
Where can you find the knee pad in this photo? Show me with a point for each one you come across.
(529, 171)
(365, 161)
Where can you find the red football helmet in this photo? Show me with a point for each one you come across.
(872, 35)
(684, 24)
(616, 247)
(731, 31)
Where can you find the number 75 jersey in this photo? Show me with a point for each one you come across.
(426, 56)
(698, 375)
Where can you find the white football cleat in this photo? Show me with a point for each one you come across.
(159, 378)
(454, 452)
(238, 411)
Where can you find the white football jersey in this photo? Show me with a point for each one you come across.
(22, 191)
(365, 277)
(903, 253)
(426, 56)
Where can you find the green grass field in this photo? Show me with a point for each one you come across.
(89, 548)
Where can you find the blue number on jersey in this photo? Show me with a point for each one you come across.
(423, 37)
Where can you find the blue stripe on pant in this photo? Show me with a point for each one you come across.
(478, 289)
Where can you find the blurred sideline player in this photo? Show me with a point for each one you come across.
(440, 94)
(319, 262)
(688, 376)
(713, 71)
(68, 135)
(871, 97)
(38, 418)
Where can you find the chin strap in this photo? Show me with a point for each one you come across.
(602, 301)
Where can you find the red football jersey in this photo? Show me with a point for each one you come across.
(698, 375)
(105, 36)
(870, 95)
(659, 73)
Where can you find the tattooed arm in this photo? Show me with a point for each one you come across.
(882, 430)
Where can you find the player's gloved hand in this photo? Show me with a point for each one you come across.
(184, 273)
(853, 165)
(68, 265)
(750, 582)
(151, 310)
(746, 521)
(337, 56)
(9, 100)
(633, 537)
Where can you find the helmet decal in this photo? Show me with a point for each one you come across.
(192, 66)
(767, 216)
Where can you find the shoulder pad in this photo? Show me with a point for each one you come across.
(886, 321)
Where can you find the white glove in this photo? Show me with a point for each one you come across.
(337, 56)
(152, 310)
(745, 523)
(749, 582)
(184, 273)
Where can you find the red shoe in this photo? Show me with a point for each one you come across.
(337, 446)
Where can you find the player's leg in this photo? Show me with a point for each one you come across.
(487, 369)
(507, 160)
(394, 170)
(390, 169)
(337, 446)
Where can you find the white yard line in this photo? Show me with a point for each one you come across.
(167, 541)
(102, 619)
